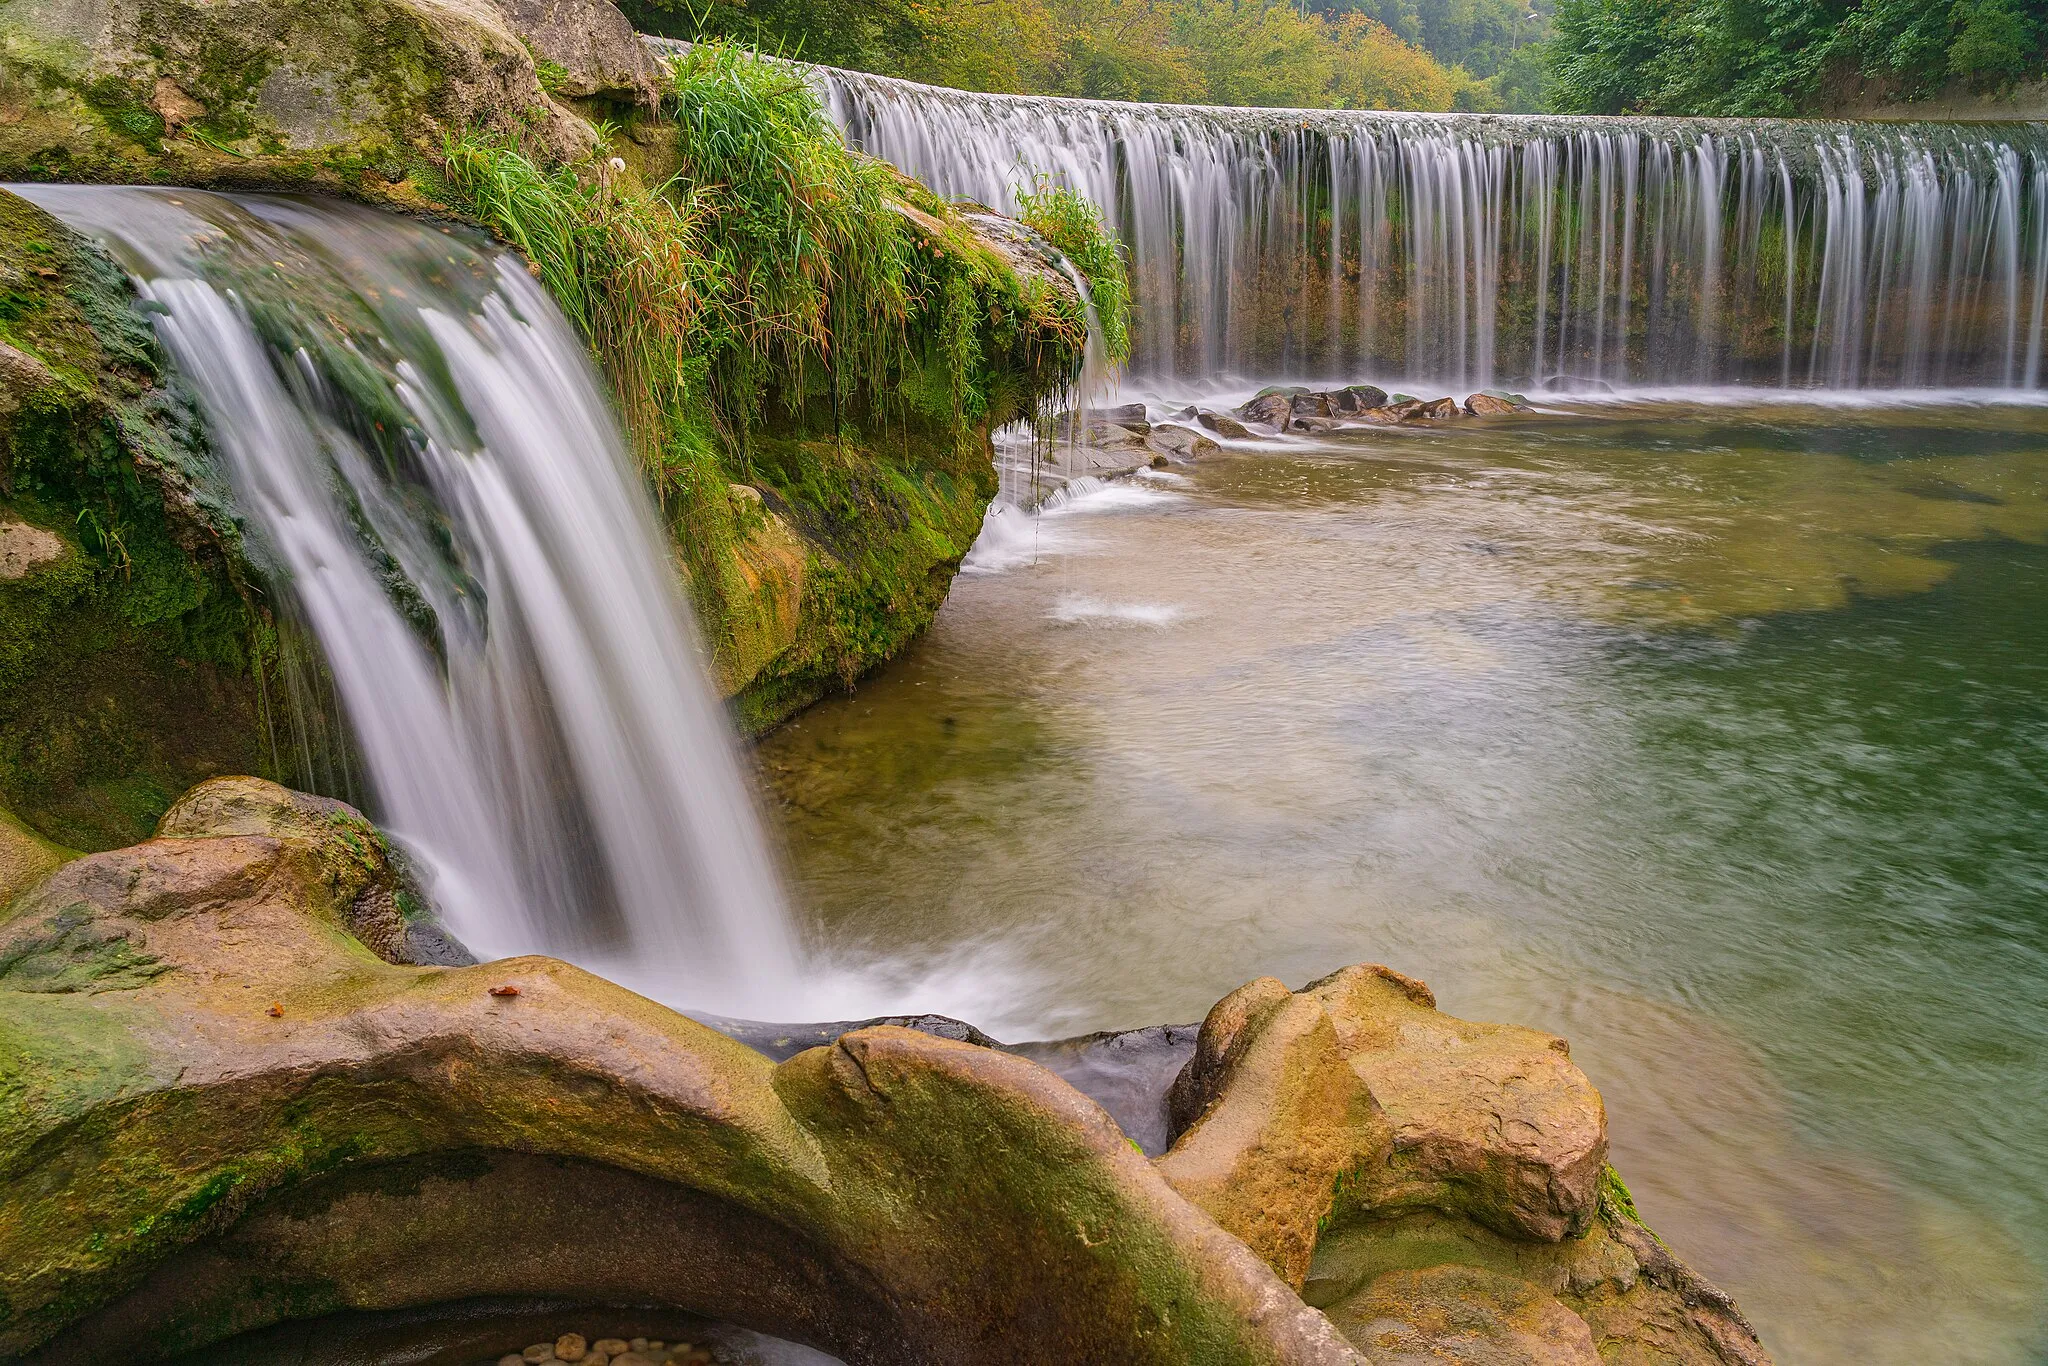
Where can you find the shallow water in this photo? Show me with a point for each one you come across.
(1713, 739)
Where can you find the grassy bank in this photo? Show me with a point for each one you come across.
(809, 353)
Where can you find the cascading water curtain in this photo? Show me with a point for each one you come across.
(1468, 250)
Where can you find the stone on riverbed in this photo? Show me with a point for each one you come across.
(1223, 424)
(1494, 403)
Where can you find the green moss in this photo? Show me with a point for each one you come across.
(128, 663)
(783, 314)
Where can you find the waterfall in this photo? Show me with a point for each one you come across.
(1468, 250)
(425, 461)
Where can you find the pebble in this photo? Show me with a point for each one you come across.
(572, 1349)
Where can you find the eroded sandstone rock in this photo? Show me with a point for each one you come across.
(224, 1110)
(1438, 1186)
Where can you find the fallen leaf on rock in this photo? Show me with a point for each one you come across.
(507, 989)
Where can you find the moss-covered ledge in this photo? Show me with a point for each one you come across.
(819, 441)
(132, 640)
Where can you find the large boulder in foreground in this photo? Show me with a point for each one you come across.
(224, 1110)
(232, 1100)
(1439, 1187)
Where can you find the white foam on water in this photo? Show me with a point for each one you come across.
(1071, 608)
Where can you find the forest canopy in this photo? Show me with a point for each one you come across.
(1682, 57)
(1348, 54)
(1784, 57)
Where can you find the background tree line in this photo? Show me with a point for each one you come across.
(1707, 57)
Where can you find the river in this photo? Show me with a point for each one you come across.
(1711, 733)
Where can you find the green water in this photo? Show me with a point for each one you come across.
(1715, 741)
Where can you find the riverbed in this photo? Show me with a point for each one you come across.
(1710, 733)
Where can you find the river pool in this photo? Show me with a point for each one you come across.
(1711, 734)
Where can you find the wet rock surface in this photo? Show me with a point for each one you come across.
(1303, 410)
(285, 1123)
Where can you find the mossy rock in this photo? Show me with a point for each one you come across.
(271, 94)
(129, 642)
(222, 1111)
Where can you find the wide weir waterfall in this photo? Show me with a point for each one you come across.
(422, 455)
(1469, 250)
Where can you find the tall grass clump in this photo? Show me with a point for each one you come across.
(1075, 227)
(627, 267)
(815, 262)
(777, 280)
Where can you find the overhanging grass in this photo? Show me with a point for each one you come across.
(1075, 226)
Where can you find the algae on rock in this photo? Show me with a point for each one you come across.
(774, 312)
(131, 640)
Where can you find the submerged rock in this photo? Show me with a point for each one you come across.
(1223, 424)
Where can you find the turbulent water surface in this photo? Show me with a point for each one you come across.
(1712, 735)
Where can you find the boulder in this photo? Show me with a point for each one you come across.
(1272, 409)
(586, 48)
(1491, 1121)
(287, 92)
(1497, 1235)
(1464, 1314)
(1109, 436)
(1494, 402)
(1355, 399)
(225, 1111)
(1183, 442)
(1129, 416)
(1285, 1117)
(1224, 425)
(1310, 423)
(1310, 405)
(1437, 409)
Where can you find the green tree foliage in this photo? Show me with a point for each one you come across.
(1783, 57)
(1254, 52)
(1482, 36)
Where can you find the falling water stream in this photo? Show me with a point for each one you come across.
(1469, 250)
(1708, 734)
(419, 445)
